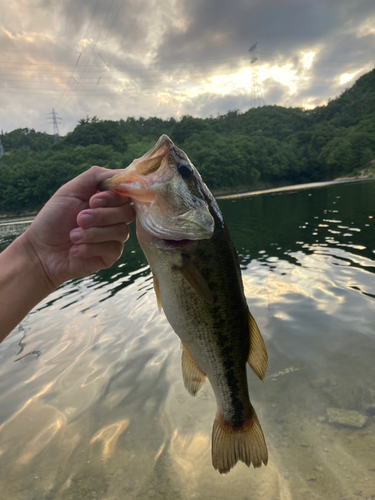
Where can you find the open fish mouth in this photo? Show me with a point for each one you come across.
(164, 186)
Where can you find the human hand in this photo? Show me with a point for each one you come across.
(79, 231)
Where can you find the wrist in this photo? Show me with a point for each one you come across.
(31, 262)
(23, 284)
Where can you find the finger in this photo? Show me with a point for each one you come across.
(109, 251)
(108, 199)
(86, 185)
(106, 216)
(117, 232)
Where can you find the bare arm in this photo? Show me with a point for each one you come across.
(78, 232)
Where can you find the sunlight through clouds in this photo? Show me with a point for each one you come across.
(139, 58)
(307, 59)
(346, 77)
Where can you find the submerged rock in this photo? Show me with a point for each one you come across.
(371, 410)
(346, 417)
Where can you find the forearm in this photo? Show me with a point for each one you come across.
(23, 284)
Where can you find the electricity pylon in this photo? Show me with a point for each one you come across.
(55, 119)
(256, 92)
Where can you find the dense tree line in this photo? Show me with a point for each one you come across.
(261, 147)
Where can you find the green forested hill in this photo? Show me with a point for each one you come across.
(261, 147)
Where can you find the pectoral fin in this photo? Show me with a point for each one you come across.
(194, 277)
(193, 377)
(258, 359)
(157, 292)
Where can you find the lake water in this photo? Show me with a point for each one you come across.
(92, 403)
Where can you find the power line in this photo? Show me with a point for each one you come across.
(179, 62)
(100, 32)
(97, 39)
(154, 82)
(122, 41)
(113, 22)
(213, 61)
(132, 91)
(148, 77)
(92, 18)
(127, 33)
(79, 57)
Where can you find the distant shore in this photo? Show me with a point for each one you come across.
(242, 191)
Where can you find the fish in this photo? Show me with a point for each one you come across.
(198, 284)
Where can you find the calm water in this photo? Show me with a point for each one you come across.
(92, 403)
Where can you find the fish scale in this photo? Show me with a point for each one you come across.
(198, 283)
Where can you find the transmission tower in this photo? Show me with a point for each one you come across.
(256, 92)
(1, 148)
(55, 120)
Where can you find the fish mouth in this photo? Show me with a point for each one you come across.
(138, 179)
(164, 202)
(176, 243)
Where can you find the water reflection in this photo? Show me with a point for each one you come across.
(276, 224)
(95, 407)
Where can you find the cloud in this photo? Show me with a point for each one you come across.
(169, 58)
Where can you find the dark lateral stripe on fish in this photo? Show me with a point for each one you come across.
(198, 280)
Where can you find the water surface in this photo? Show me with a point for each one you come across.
(92, 403)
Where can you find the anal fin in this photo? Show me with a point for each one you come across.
(258, 358)
(193, 377)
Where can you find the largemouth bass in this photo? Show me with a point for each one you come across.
(197, 281)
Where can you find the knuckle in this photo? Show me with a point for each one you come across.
(89, 234)
(95, 169)
(82, 250)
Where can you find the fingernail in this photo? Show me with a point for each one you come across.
(86, 219)
(74, 250)
(75, 236)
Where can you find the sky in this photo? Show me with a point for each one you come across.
(168, 58)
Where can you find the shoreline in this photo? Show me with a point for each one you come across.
(293, 187)
(224, 194)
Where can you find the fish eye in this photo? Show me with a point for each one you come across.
(184, 170)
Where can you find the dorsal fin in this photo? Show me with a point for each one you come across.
(257, 359)
(193, 377)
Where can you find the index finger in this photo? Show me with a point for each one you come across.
(108, 199)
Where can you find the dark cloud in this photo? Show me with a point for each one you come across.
(274, 92)
(138, 57)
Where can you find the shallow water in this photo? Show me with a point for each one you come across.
(92, 403)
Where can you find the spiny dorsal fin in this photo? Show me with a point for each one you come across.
(192, 274)
(157, 292)
(258, 359)
(193, 377)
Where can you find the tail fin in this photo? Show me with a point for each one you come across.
(230, 445)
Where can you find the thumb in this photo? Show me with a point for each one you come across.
(86, 184)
